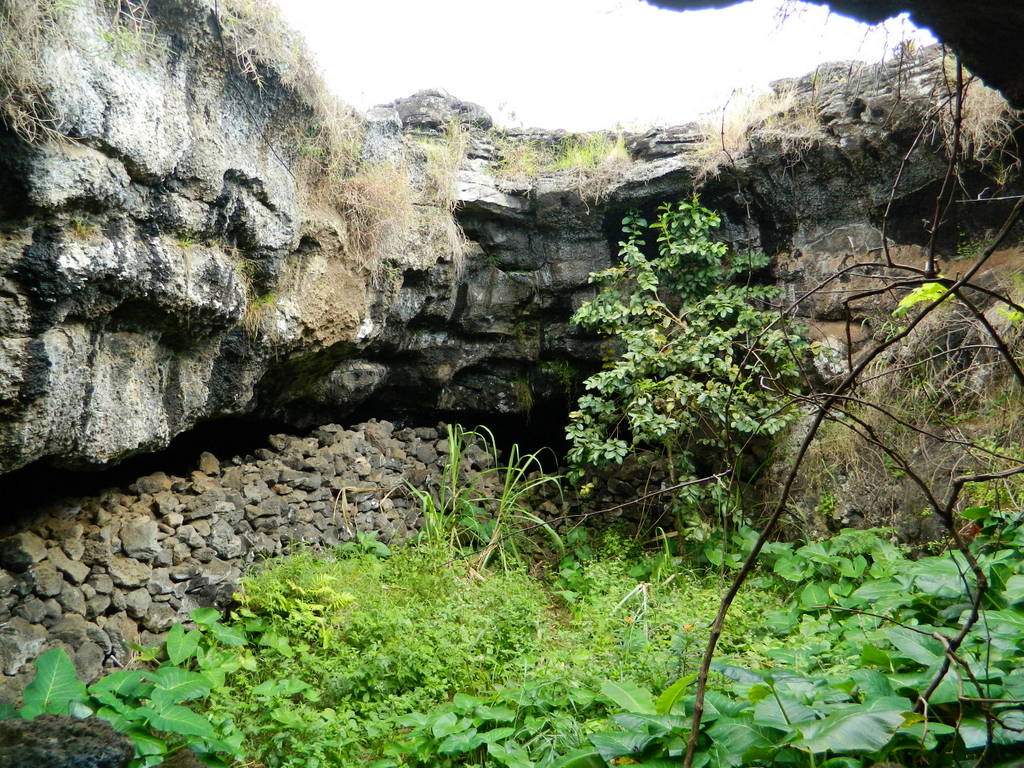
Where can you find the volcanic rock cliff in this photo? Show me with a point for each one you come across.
(168, 258)
(192, 234)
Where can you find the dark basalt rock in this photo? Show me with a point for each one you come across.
(56, 741)
(162, 275)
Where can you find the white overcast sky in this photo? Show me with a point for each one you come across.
(574, 64)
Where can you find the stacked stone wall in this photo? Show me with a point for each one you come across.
(99, 574)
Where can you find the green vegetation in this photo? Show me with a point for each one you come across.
(478, 514)
(153, 705)
(589, 151)
(82, 230)
(255, 311)
(594, 156)
(418, 658)
(702, 363)
(324, 653)
(444, 156)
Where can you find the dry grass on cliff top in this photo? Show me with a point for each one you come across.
(328, 146)
(988, 122)
(781, 118)
(374, 199)
(31, 28)
(594, 160)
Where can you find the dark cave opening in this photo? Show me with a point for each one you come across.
(43, 486)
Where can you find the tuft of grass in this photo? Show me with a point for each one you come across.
(255, 311)
(780, 117)
(479, 514)
(444, 157)
(81, 230)
(376, 204)
(27, 28)
(521, 160)
(590, 151)
(327, 147)
(594, 159)
(988, 122)
(30, 28)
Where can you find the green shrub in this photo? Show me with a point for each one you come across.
(701, 359)
(867, 633)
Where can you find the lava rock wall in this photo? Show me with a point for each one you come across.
(97, 573)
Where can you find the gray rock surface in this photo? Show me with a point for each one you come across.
(57, 741)
(158, 274)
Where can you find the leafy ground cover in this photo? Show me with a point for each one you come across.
(420, 659)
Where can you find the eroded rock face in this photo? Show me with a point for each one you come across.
(168, 268)
(155, 269)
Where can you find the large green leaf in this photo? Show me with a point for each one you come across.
(1010, 728)
(460, 743)
(146, 743)
(972, 732)
(1015, 589)
(654, 724)
(814, 595)
(122, 720)
(881, 595)
(180, 720)
(123, 684)
(792, 568)
(852, 730)
(206, 616)
(1007, 621)
(670, 695)
(510, 754)
(586, 757)
(496, 734)
(55, 686)
(172, 685)
(181, 645)
(853, 568)
(915, 646)
(630, 696)
(233, 636)
(872, 683)
(739, 736)
(782, 712)
(613, 744)
(939, 577)
(448, 723)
